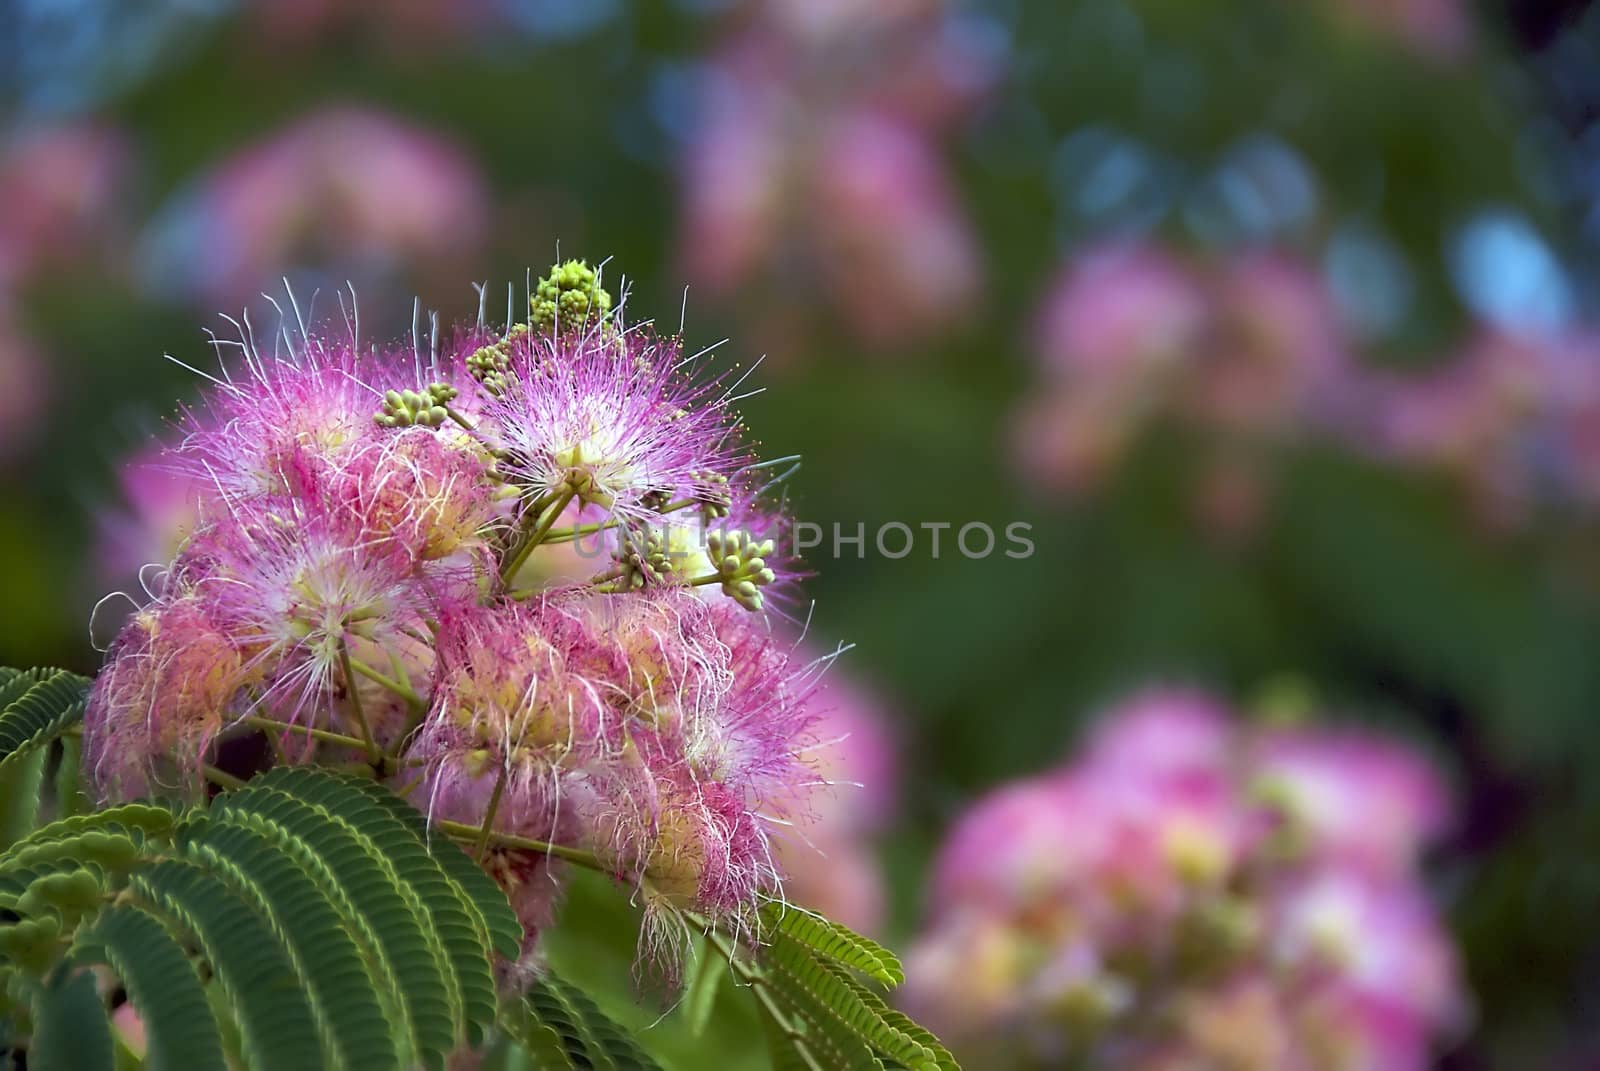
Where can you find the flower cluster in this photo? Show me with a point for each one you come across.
(1248, 354)
(818, 146)
(292, 198)
(1248, 350)
(358, 579)
(1193, 894)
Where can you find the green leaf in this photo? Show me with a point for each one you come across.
(36, 706)
(144, 819)
(586, 1036)
(700, 996)
(262, 986)
(502, 929)
(161, 983)
(20, 795)
(826, 1036)
(71, 1031)
(834, 941)
(615, 1043)
(794, 970)
(899, 1021)
(340, 986)
(393, 915)
(462, 931)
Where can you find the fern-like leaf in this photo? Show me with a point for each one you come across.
(500, 926)
(70, 1029)
(274, 1019)
(795, 968)
(36, 706)
(462, 932)
(162, 984)
(376, 891)
(834, 941)
(339, 982)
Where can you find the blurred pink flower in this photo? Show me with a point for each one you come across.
(899, 252)
(1441, 29)
(351, 190)
(1246, 351)
(1117, 307)
(815, 171)
(158, 509)
(1354, 797)
(60, 185)
(830, 863)
(1150, 906)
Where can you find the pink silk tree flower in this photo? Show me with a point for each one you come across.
(350, 190)
(1151, 906)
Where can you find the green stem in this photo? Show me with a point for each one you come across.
(567, 535)
(305, 730)
(757, 984)
(373, 753)
(222, 777)
(490, 811)
(463, 831)
(404, 691)
(535, 536)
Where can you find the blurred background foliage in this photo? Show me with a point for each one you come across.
(884, 197)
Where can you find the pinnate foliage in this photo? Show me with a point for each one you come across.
(310, 918)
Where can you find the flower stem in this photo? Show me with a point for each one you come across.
(373, 753)
(567, 535)
(305, 730)
(489, 813)
(463, 831)
(520, 551)
(399, 688)
(222, 777)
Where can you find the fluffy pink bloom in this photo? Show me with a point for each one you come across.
(172, 678)
(294, 583)
(663, 733)
(351, 190)
(618, 420)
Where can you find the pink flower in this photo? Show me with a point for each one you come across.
(60, 186)
(1117, 308)
(1135, 909)
(620, 421)
(352, 190)
(1353, 797)
(171, 679)
(900, 254)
